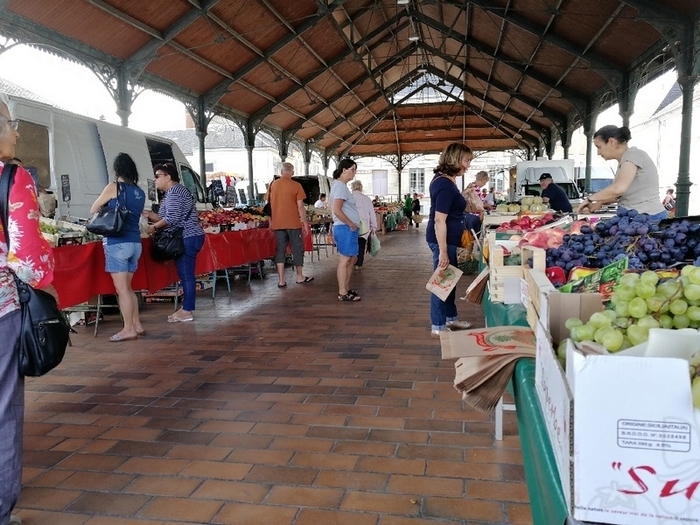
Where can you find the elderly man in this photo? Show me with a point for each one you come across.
(554, 195)
(286, 198)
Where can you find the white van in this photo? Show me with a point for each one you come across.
(72, 156)
(562, 171)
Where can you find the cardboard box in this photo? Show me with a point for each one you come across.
(625, 437)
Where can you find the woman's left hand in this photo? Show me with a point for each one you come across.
(443, 260)
(151, 229)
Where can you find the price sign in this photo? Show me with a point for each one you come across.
(65, 187)
(231, 198)
(217, 188)
(152, 193)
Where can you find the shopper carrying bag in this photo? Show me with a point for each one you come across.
(109, 221)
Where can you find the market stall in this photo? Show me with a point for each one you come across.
(79, 273)
(607, 405)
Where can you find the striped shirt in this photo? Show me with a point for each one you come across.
(178, 210)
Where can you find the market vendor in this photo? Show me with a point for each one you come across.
(554, 195)
(636, 184)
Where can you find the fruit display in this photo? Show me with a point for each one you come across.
(525, 223)
(251, 217)
(63, 233)
(628, 234)
(695, 379)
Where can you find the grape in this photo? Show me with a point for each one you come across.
(622, 308)
(626, 293)
(656, 302)
(613, 340)
(668, 288)
(601, 333)
(561, 351)
(695, 392)
(694, 275)
(572, 322)
(611, 314)
(630, 279)
(692, 292)
(666, 321)
(685, 271)
(599, 320)
(681, 321)
(638, 307)
(693, 313)
(645, 290)
(649, 277)
(637, 334)
(678, 307)
(695, 360)
(648, 322)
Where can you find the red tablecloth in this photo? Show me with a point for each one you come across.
(80, 270)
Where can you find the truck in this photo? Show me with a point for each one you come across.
(71, 156)
(527, 179)
(601, 176)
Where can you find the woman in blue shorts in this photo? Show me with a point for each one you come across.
(122, 253)
(346, 225)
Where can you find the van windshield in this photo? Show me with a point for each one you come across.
(569, 188)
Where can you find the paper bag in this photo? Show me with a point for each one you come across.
(443, 281)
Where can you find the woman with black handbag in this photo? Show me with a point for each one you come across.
(30, 258)
(123, 249)
(177, 210)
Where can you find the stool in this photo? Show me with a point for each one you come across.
(214, 276)
(500, 407)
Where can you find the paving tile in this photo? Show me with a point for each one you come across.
(275, 407)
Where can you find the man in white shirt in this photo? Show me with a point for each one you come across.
(321, 202)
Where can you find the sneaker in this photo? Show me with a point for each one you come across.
(458, 325)
(435, 334)
(15, 520)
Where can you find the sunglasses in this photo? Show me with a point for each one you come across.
(13, 123)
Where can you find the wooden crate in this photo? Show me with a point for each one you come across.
(538, 256)
(499, 273)
(538, 284)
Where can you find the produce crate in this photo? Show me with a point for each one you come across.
(533, 292)
(501, 276)
(538, 256)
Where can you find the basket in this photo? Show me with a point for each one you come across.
(469, 267)
(417, 218)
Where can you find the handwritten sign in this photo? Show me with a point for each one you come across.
(152, 193)
(217, 188)
(243, 198)
(231, 198)
(65, 187)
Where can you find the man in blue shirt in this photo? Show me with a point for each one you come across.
(554, 195)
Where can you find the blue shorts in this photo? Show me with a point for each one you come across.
(346, 240)
(122, 257)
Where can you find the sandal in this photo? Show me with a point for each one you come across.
(349, 297)
(306, 280)
(353, 293)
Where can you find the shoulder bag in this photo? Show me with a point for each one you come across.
(168, 243)
(44, 331)
(108, 221)
(267, 209)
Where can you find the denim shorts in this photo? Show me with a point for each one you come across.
(346, 240)
(122, 257)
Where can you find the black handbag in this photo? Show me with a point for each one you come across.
(108, 221)
(167, 244)
(44, 331)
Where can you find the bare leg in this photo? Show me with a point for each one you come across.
(136, 321)
(126, 303)
(280, 273)
(348, 273)
(344, 266)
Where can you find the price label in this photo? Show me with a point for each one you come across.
(217, 188)
(152, 193)
(231, 198)
(65, 187)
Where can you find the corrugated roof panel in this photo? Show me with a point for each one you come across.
(184, 71)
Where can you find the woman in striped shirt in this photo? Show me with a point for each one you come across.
(178, 209)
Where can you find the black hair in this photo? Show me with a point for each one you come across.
(322, 195)
(344, 164)
(125, 167)
(170, 169)
(622, 134)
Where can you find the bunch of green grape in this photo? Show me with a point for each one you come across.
(48, 228)
(639, 303)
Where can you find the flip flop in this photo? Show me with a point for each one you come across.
(349, 298)
(282, 285)
(306, 280)
(117, 338)
(141, 333)
(175, 319)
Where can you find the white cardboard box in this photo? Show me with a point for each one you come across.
(626, 439)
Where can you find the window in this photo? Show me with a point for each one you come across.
(33, 150)
(416, 180)
(209, 167)
(190, 180)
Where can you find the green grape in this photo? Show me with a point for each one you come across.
(669, 288)
(685, 271)
(629, 279)
(649, 277)
(626, 293)
(685, 281)
(695, 360)
(622, 322)
(693, 313)
(693, 303)
(692, 292)
(648, 322)
(694, 275)
(599, 320)
(561, 351)
(585, 332)
(694, 324)
(681, 321)
(571, 322)
(678, 307)
(613, 340)
(601, 332)
(625, 344)
(614, 299)
(638, 307)
(637, 334)
(611, 314)
(695, 392)
(666, 321)
(656, 302)
(645, 290)
(622, 308)
(692, 370)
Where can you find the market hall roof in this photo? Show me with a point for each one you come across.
(365, 77)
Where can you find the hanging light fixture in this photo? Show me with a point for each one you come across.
(402, 2)
(422, 69)
(413, 38)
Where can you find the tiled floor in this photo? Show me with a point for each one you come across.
(276, 407)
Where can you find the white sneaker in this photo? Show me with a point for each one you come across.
(458, 325)
(435, 334)
(15, 520)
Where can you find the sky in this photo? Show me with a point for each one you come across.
(74, 87)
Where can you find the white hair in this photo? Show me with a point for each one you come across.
(356, 185)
